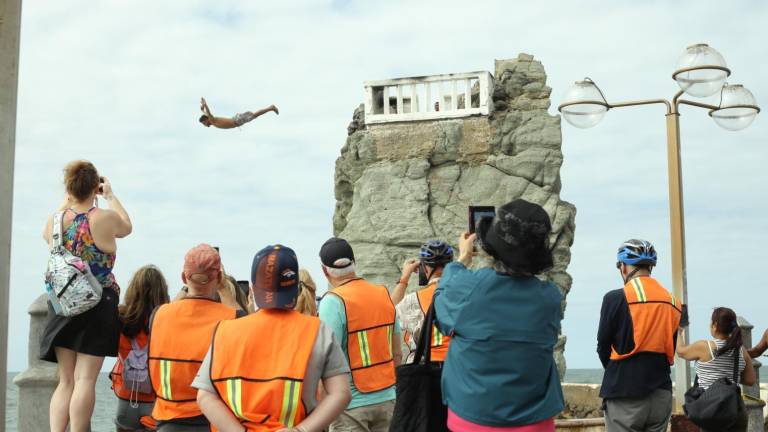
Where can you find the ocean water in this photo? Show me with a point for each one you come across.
(106, 402)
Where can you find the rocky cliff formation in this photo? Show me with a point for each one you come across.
(399, 184)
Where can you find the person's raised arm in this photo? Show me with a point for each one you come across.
(748, 376)
(122, 221)
(217, 412)
(204, 107)
(698, 350)
(409, 267)
(760, 347)
(455, 286)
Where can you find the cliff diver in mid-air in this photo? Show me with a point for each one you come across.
(208, 119)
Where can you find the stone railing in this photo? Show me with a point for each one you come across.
(428, 97)
(36, 384)
(752, 400)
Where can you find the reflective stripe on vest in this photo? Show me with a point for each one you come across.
(180, 336)
(655, 315)
(370, 326)
(439, 342)
(258, 365)
(165, 380)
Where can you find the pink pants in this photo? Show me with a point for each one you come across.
(458, 424)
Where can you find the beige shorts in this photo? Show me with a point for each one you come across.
(371, 418)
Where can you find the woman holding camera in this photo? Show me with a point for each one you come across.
(79, 344)
(715, 358)
(500, 374)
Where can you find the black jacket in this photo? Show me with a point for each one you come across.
(636, 376)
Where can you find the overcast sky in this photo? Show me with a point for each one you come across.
(118, 83)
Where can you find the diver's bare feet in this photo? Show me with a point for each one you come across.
(274, 108)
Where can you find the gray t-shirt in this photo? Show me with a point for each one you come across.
(327, 360)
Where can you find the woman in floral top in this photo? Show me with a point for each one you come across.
(79, 344)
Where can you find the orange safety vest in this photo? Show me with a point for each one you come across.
(655, 317)
(370, 323)
(179, 339)
(439, 341)
(258, 365)
(116, 375)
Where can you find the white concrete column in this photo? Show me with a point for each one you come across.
(10, 25)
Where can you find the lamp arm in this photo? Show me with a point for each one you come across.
(696, 104)
(643, 102)
(676, 97)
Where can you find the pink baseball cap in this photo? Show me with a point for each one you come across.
(201, 264)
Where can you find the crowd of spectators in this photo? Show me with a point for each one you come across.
(265, 355)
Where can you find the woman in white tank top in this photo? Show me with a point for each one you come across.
(715, 358)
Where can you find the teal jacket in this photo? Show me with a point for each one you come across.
(500, 370)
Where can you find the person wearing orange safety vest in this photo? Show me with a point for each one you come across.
(180, 334)
(262, 372)
(364, 319)
(636, 342)
(413, 307)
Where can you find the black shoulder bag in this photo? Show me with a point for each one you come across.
(419, 404)
(719, 406)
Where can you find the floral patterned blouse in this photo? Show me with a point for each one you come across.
(79, 241)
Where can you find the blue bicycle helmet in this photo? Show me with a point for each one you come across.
(637, 252)
(435, 253)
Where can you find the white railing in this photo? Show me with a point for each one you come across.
(428, 97)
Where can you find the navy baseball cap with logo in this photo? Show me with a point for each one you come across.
(275, 277)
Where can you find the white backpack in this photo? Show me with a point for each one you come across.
(136, 371)
(71, 286)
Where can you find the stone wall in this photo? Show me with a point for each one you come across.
(399, 184)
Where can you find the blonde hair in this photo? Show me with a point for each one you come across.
(306, 303)
(237, 294)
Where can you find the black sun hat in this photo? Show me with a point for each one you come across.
(518, 236)
(337, 253)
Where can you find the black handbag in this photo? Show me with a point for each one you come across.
(719, 406)
(419, 404)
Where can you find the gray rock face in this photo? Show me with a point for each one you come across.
(399, 184)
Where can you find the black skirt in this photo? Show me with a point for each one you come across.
(95, 332)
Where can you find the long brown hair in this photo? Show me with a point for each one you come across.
(725, 323)
(146, 291)
(306, 303)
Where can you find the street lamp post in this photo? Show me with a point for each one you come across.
(701, 72)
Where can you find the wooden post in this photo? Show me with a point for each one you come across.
(10, 25)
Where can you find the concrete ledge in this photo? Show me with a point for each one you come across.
(581, 425)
